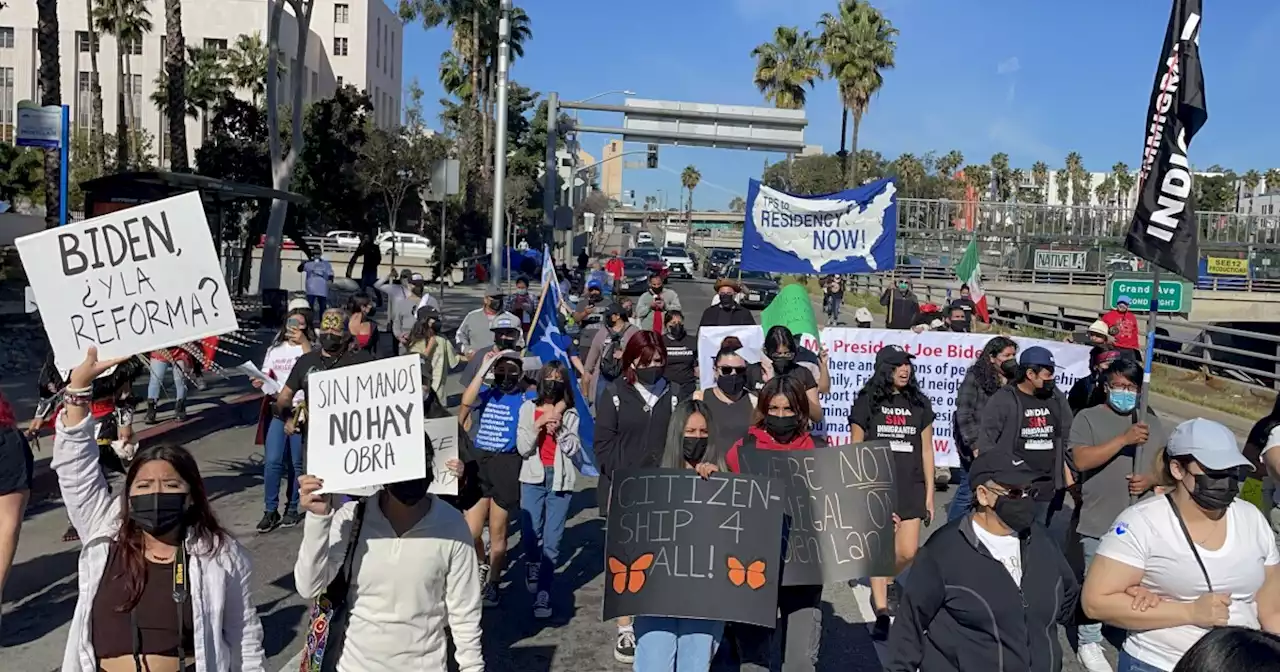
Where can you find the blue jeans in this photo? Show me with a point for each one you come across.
(283, 460)
(543, 512)
(963, 500)
(158, 369)
(665, 644)
(1089, 633)
(1128, 663)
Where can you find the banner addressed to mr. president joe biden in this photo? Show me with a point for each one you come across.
(852, 231)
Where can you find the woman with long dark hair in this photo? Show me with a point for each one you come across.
(632, 416)
(547, 439)
(364, 332)
(438, 355)
(782, 358)
(730, 406)
(1232, 649)
(162, 585)
(983, 378)
(283, 451)
(890, 407)
(16, 466)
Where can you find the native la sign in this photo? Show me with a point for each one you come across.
(1061, 260)
(128, 282)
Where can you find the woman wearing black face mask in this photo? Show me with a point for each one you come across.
(547, 439)
(988, 590)
(730, 407)
(632, 416)
(1205, 556)
(162, 585)
(409, 569)
(682, 355)
(781, 349)
(334, 352)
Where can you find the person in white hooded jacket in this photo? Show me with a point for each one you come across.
(162, 585)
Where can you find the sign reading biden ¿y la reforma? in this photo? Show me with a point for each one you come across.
(852, 231)
(128, 282)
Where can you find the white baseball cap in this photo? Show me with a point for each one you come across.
(299, 304)
(1210, 443)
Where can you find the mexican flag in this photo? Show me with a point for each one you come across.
(969, 270)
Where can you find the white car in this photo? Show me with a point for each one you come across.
(679, 263)
(406, 245)
(342, 239)
(644, 238)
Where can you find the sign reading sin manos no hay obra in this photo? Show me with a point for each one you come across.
(128, 282)
(365, 424)
(839, 506)
(680, 545)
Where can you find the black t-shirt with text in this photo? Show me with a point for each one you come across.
(682, 357)
(1038, 435)
(901, 423)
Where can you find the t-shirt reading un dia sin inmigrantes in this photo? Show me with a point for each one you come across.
(497, 416)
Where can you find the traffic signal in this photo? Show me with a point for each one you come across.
(652, 159)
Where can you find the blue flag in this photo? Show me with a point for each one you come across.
(548, 341)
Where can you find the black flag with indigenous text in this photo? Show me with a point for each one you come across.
(1164, 229)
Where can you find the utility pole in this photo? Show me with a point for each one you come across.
(500, 142)
(550, 187)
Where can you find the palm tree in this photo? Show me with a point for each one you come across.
(910, 171)
(1016, 177)
(129, 21)
(1251, 178)
(787, 66)
(689, 179)
(1062, 180)
(207, 78)
(979, 177)
(948, 163)
(50, 94)
(1272, 179)
(175, 68)
(1123, 182)
(247, 65)
(737, 204)
(1105, 190)
(1079, 179)
(650, 202)
(1000, 173)
(857, 44)
(97, 137)
(1040, 175)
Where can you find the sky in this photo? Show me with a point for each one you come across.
(1035, 80)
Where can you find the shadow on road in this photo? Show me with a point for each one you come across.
(49, 587)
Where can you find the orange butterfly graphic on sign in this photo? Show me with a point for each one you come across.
(752, 574)
(629, 579)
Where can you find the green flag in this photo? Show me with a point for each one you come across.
(793, 309)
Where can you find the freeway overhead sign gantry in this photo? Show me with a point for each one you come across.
(703, 124)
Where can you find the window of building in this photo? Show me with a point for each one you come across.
(132, 47)
(391, 55)
(6, 37)
(339, 46)
(341, 13)
(315, 84)
(8, 108)
(339, 82)
(216, 44)
(84, 100)
(82, 41)
(133, 86)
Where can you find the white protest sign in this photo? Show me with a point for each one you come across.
(941, 361)
(709, 339)
(443, 433)
(128, 282)
(365, 426)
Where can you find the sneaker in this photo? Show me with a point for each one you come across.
(484, 574)
(880, 631)
(270, 521)
(542, 605)
(290, 519)
(624, 650)
(490, 595)
(1092, 658)
(531, 572)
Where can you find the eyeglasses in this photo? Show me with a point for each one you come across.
(1017, 493)
(732, 370)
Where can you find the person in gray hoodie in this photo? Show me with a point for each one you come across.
(404, 312)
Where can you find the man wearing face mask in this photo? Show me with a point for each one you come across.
(521, 303)
(507, 333)
(902, 304)
(957, 322)
(986, 588)
(682, 355)
(655, 303)
(604, 354)
(590, 311)
(475, 332)
(1114, 452)
(1030, 420)
(334, 352)
(725, 310)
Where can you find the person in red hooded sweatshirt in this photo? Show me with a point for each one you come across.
(781, 422)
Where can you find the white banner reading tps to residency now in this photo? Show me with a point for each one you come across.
(365, 425)
(941, 361)
(128, 282)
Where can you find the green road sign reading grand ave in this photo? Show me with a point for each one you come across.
(1175, 295)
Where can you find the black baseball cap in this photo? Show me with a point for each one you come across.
(1003, 468)
(615, 309)
(893, 355)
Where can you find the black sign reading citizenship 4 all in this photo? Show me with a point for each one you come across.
(680, 545)
(839, 506)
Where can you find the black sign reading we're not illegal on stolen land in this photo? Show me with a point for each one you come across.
(681, 545)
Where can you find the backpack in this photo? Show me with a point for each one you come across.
(610, 365)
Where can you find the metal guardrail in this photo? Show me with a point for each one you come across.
(1079, 278)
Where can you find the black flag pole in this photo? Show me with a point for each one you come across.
(1164, 230)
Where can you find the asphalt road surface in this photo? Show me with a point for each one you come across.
(42, 589)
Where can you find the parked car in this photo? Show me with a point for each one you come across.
(286, 244)
(644, 237)
(347, 240)
(679, 263)
(758, 287)
(651, 258)
(635, 276)
(717, 258)
(406, 245)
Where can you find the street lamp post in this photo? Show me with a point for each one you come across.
(500, 143)
(567, 250)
